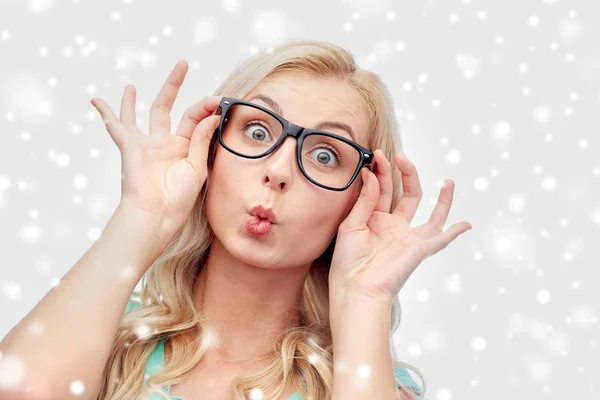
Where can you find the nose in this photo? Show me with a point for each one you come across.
(281, 165)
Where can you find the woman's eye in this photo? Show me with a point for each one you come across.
(325, 155)
(258, 132)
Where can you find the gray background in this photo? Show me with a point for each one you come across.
(502, 97)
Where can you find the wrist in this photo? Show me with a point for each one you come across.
(339, 299)
(352, 306)
(139, 230)
(145, 217)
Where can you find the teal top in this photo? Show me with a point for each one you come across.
(157, 358)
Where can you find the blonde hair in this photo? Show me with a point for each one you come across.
(168, 309)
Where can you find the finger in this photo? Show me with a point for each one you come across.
(160, 111)
(201, 138)
(441, 240)
(383, 171)
(128, 107)
(442, 208)
(113, 126)
(365, 204)
(196, 113)
(411, 186)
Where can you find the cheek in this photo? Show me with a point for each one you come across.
(315, 225)
(323, 214)
(224, 170)
(221, 185)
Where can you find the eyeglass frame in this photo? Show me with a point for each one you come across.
(298, 132)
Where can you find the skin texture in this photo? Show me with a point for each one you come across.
(252, 286)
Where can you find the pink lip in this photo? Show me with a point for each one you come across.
(263, 213)
(258, 226)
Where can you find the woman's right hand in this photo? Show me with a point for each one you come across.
(162, 173)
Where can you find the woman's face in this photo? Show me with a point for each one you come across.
(307, 215)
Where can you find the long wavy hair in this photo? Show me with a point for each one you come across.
(167, 305)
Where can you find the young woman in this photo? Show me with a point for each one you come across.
(271, 238)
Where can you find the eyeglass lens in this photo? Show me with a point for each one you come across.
(327, 160)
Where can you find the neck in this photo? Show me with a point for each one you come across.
(246, 306)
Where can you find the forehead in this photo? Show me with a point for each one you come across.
(308, 101)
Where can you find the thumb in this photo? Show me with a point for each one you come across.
(365, 204)
(201, 137)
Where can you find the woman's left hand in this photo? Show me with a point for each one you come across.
(377, 250)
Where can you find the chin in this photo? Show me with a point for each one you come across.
(231, 233)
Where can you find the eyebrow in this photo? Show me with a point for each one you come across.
(321, 125)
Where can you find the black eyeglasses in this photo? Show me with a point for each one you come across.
(270, 130)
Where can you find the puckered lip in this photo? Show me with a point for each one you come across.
(264, 212)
